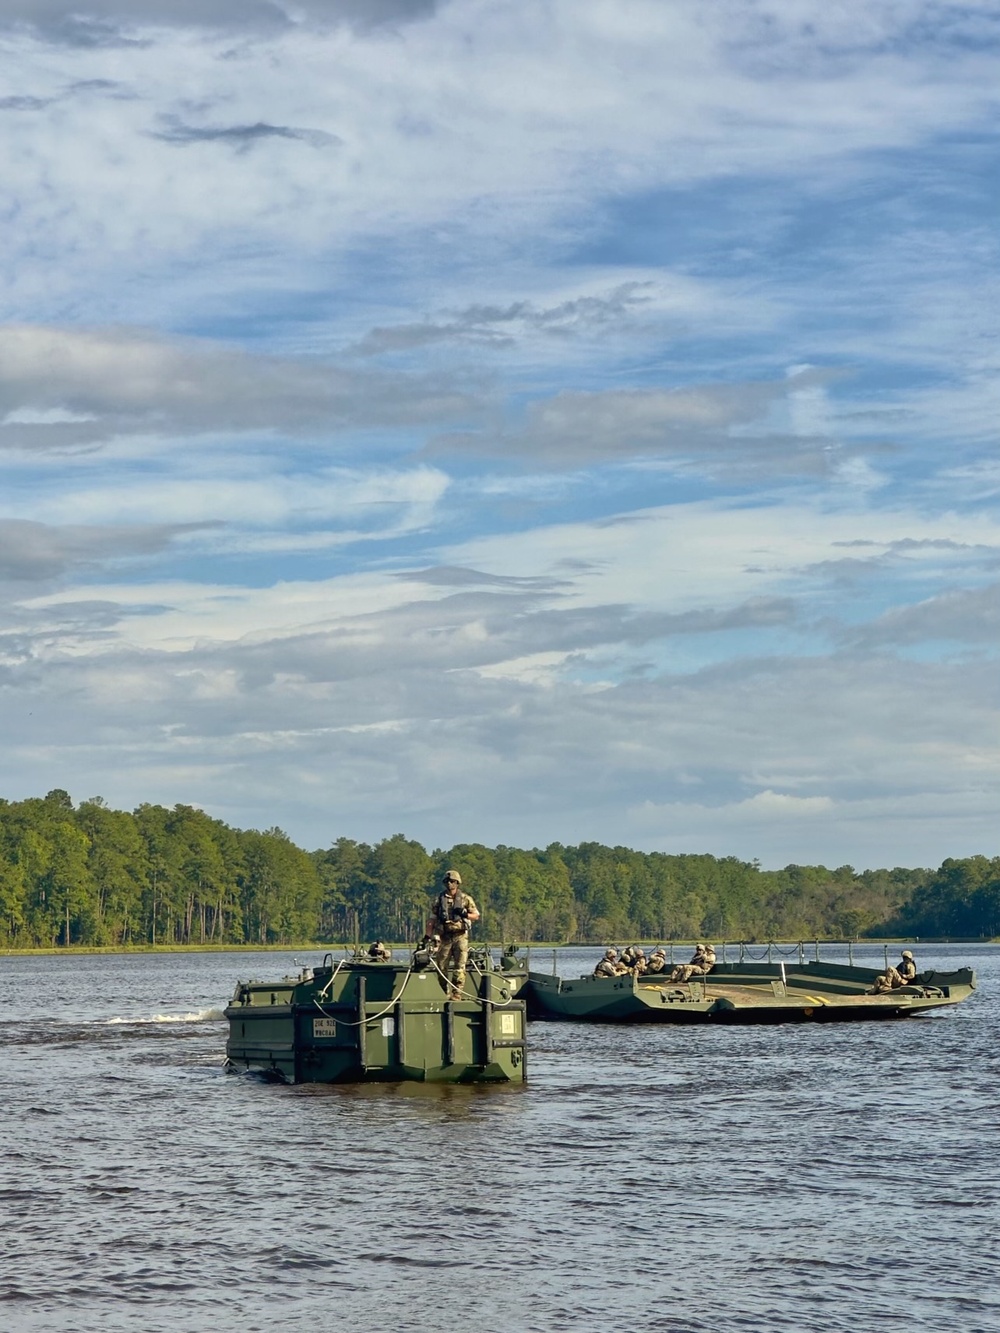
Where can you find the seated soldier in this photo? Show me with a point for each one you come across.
(696, 966)
(378, 953)
(657, 961)
(894, 977)
(700, 965)
(628, 956)
(640, 965)
(609, 965)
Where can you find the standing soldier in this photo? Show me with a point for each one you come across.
(451, 919)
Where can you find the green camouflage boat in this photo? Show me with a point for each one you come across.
(746, 992)
(359, 1020)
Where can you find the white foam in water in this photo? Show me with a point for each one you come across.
(196, 1016)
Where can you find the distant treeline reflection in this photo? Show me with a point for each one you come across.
(90, 875)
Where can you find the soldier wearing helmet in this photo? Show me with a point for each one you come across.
(657, 961)
(609, 965)
(451, 920)
(700, 965)
(905, 974)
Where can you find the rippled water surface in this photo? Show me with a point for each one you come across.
(818, 1177)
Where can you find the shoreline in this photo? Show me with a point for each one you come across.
(61, 951)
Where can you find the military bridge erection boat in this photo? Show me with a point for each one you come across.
(366, 1020)
(359, 1020)
(744, 992)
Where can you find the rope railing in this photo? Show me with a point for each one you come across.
(365, 1018)
(464, 995)
(474, 966)
(747, 955)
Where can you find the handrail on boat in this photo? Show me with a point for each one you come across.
(771, 949)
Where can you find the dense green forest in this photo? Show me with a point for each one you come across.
(90, 875)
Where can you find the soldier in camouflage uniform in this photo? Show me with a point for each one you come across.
(700, 965)
(894, 977)
(608, 965)
(907, 970)
(451, 919)
(657, 961)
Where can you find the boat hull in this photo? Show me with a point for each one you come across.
(744, 993)
(377, 1022)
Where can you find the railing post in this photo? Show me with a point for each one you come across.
(360, 999)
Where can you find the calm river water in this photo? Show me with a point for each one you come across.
(818, 1178)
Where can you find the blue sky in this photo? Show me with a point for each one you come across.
(508, 422)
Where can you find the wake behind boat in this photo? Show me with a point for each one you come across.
(744, 992)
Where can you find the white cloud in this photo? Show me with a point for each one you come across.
(289, 689)
(33, 552)
(64, 387)
(118, 22)
(293, 506)
(767, 804)
(258, 257)
(680, 557)
(711, 428)
(485, 117)
(964, 615)
(339, 735)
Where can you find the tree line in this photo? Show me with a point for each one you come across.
(92, 875)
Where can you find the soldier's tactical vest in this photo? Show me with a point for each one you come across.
(450, 909)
